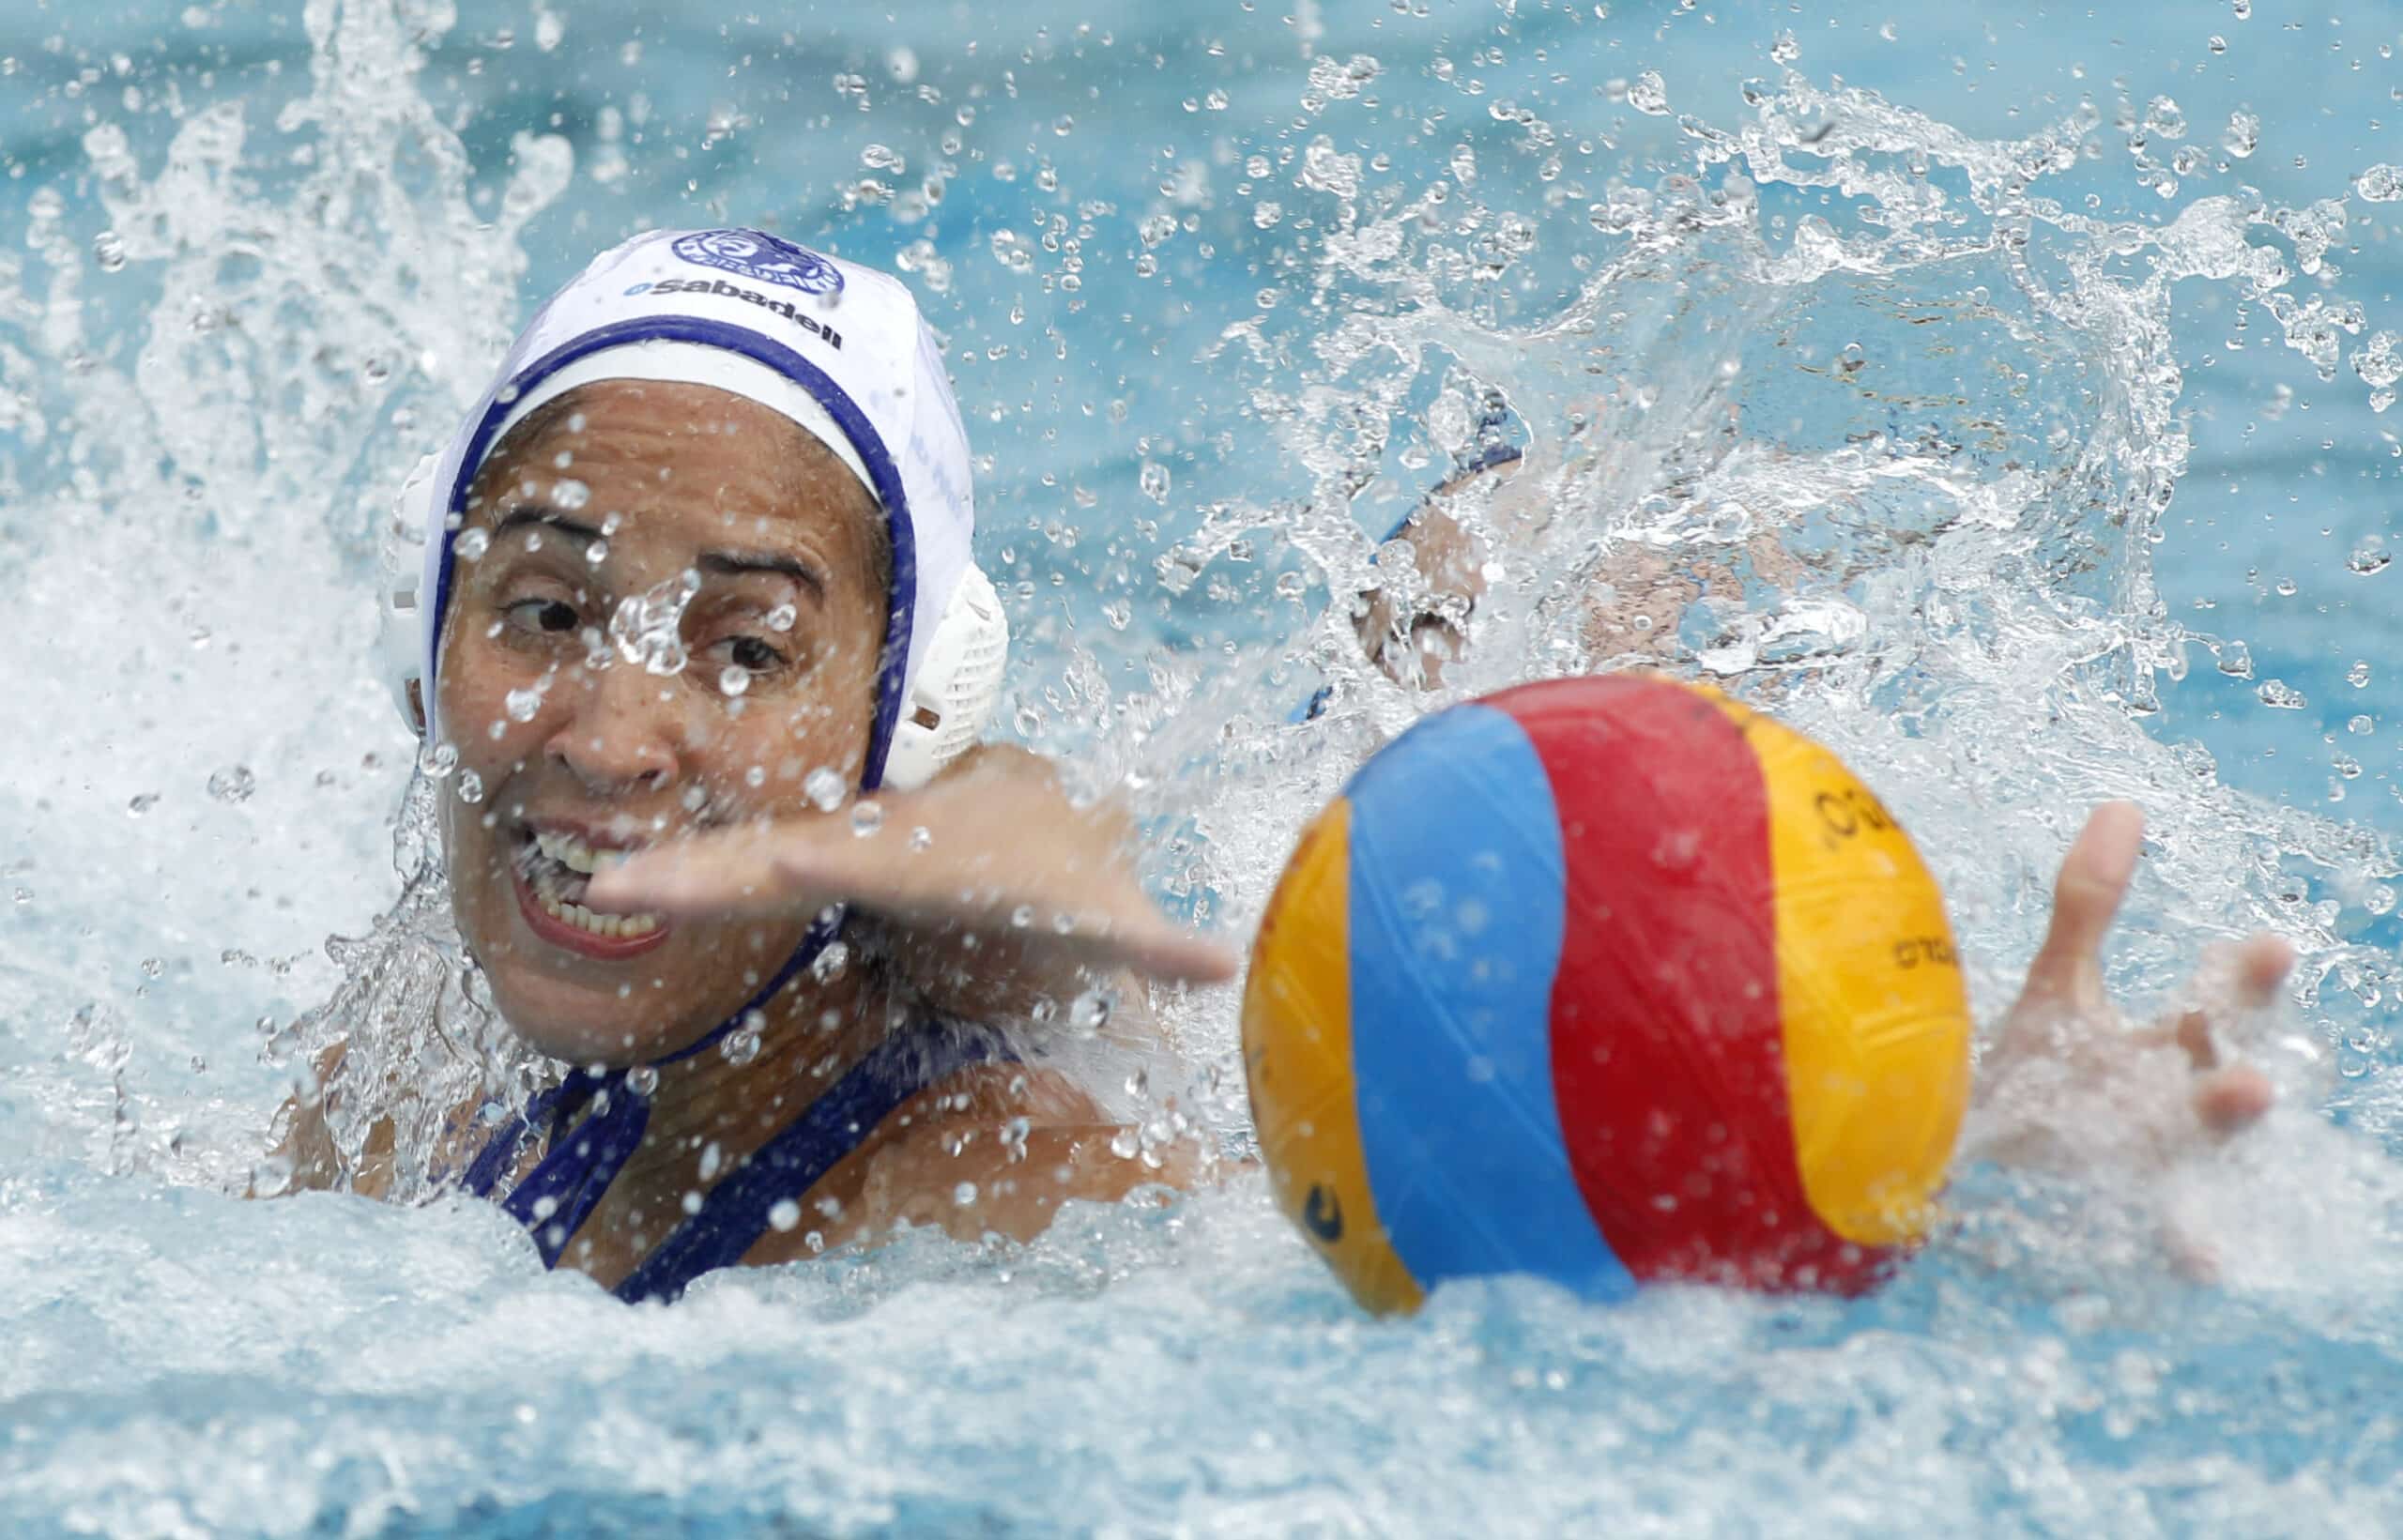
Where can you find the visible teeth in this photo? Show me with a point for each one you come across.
(598, 925)
(576, 856)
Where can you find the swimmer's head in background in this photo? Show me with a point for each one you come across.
(839, 349)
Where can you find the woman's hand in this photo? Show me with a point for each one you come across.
(994, 849)
(2069, 1086)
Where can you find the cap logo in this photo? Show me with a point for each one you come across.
(755, 254)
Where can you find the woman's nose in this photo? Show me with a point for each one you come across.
(624, 731)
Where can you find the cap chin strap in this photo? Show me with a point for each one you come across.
(958, 684)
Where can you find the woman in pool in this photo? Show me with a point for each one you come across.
(699, 574)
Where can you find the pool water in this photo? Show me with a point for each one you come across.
(2055, 347)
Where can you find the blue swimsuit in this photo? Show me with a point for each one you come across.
(583, 1159)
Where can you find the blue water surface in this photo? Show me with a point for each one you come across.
(1133, 308)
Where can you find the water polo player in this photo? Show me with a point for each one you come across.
(701, 620)
(2062, 1083)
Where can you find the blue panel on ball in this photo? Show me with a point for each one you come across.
(1456, 921)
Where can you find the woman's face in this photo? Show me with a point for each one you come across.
(675, 617)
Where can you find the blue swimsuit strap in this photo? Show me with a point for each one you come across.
(741, 1207)
(574, 1172)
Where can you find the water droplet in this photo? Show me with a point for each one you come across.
(1785, 50)
(783, 1216)
(1013, 251)
(472, 544)
(570, 494)
(741, 1046)
(642, 1080)
(2379, 184)
(2358, 676)
(830, 961)
(525, 705)
(2236, 660)
(597, 553)
(1649, 94)
(964, 1195)
(108, 251)
(2243, 10)
(781, 618)
(470, 787)
(1089, 1013)
(2370, 556)
(1155, 480)
(920, 838)
(1126, 1144)
(824, 788)
(234, 784)
(868, 816)
(2279, 695)
(1022, 917)
(2361, 726)
(2378, 362)
(2242, 135)
(648, 627)
(712, 1156)
(734, 679)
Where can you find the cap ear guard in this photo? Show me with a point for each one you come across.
(400, 640)
(959, 682)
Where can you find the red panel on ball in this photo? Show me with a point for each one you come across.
(1667, 1042)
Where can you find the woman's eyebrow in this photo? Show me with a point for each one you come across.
(538, 513)
(719, 563)
(736, 563)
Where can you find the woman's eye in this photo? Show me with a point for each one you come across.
(751, 656)
(751, 653)
(553, 615)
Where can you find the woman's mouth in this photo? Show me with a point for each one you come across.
(551, 871)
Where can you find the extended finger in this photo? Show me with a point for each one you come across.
(2093, 879)
(2263, 963)
(2231, 1100)
(2231, 981)
(1160, 951)
(708, 874)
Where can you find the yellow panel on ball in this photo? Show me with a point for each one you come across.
(1876, 1016)
(1297, 1057)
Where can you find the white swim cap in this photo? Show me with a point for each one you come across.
(841, 351)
